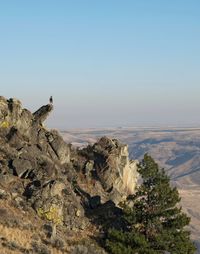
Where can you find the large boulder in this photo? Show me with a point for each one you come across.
(22, 167)
(118, 175)
(61, 149)
(12, 115)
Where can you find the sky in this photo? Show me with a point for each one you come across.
(107, 63)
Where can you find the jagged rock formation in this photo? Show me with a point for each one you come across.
(107, 161)
(60, 184)
(117, 174)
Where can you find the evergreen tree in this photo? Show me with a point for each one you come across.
(155, 224)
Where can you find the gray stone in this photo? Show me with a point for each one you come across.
(61, 149)
(22, 167)
(42, 113)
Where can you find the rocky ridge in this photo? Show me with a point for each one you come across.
(56, 191)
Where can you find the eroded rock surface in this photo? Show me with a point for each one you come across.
(117, 174)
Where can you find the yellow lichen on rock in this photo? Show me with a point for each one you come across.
(5, 124)
(52, 215)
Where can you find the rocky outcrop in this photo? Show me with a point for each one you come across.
(63, 185)
(107, 163)
(42, 113)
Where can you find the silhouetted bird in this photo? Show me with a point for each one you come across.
(51, 100)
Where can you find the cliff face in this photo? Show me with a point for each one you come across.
(42, 176)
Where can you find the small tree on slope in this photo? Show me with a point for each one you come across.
(154, 222)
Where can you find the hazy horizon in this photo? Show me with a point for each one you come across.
(106, 63)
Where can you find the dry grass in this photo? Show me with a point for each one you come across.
(191, 205)
(15, 232)
(23, 233)
(21, 237)
(7, 251)
(28, 230)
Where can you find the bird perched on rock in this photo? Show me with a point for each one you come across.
(51, 100)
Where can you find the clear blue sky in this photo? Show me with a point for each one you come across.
(106, 62)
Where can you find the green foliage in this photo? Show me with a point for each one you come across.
(119, 242)
(154, 223)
